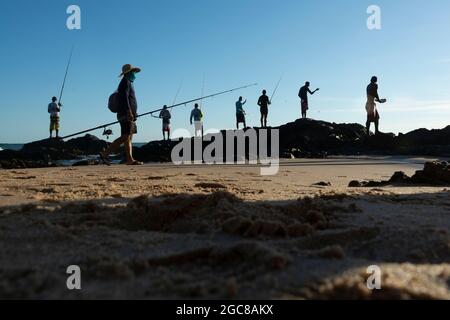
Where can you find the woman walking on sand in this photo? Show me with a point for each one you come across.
(127, 115)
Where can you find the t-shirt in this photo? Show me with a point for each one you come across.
(127, 98)
(239, 107)
(197, 115)
(264, 101)
(166, 116)
(53, 109)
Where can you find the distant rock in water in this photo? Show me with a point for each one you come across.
(45, 153)
(57, 149)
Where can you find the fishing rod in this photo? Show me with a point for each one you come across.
(203, 92)
(175, 98)
(276, 89)
(65, 76)
(178, 92)
(159, 110)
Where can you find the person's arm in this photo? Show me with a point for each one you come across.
(312, 92)
(245, 101)
(192, 115)
(377, 97)
(259, 102)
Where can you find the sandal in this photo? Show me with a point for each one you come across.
(135, 163)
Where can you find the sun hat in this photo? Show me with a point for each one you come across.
(129, 68)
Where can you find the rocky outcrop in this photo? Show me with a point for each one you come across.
(303, 138)
(48, 152)
(434, 173)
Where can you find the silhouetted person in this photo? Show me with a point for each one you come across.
(54, 109)
(303, 94)
(165, 116)
(126, 115)
(264, 103)
(240, 112)
(197, 119)
(372, 112)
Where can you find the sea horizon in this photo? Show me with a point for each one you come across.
(18, 146)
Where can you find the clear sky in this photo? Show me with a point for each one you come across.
(229, 43)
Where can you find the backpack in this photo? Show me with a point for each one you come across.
(114, 103)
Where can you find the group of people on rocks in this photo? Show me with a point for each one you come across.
(127, 113)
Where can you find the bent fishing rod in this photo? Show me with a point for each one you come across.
(159, 110)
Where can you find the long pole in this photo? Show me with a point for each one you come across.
(276, 88)
(65, 76)
(159, 110)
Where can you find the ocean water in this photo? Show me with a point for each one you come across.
(10, 146)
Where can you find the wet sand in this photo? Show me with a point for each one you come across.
(207, 232)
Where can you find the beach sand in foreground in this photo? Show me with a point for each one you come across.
(208, 232)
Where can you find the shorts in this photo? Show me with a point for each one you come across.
(54, 123)
(240, 117)
(264, 111)
(198, 125)
(305, 106)
(128, 128)
(166, 127)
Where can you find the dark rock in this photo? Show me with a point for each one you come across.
(88, 145)
(400, 177)
(355, 184)
(434, 173)
(322, 184)
(304, 138)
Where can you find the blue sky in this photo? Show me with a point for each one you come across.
(229, 43)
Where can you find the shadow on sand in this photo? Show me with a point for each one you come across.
(219, 246)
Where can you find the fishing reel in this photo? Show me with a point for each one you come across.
(107, 133)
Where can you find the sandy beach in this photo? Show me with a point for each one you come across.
(208, 232)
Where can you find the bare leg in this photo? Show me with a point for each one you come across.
(262, 121)
(376, 127)
(57, 133)
(115, 146)
(368, 128)
(129, 150)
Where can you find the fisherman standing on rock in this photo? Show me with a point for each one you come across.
(127, 115)
(197, 119)
(165, 116)
(240, 113)
(303, 95)
(371, 108)
(263, 103)
(54, 109)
